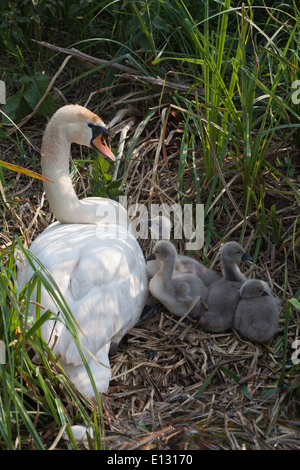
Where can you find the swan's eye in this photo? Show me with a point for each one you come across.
(98, 131)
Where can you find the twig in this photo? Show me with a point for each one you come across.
(190, 308)
(118, 117)
(233, 361)
(80, 55)
(36, 213)
(153, 436)
(122, 140)
(127, 71)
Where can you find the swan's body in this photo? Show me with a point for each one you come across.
(223, 295)
(96, 263)
(257, 312)
(161, 227)
(175, 291)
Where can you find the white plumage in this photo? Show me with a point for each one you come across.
(96, 263)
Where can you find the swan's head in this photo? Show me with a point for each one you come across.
(82, 127)
(160, 226)
(252, 288)
(163, 251)
(232, 252)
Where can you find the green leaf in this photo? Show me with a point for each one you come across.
(16, 107)
(35, 90)
(295, 303)
(26, 99)
(206, 383)
(159, 23)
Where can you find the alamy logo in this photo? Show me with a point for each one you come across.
(188, 221)
(2, 92)
(296, 93)
(2, 352)
(296, 354)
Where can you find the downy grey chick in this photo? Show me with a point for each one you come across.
(174, 290)
(232, 253)
(223, 296)
(161, 227)
(257, 313)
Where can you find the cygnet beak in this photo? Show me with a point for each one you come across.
(265, 293)
(150, 258)
(247, 257)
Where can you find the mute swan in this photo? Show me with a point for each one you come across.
(161, 227)
(223, 295)
(175, 291)
(257, 313)
(97, 264)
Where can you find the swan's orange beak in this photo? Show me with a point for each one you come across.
(100, 145)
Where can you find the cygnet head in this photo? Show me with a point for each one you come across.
(232, 252)
(252, 288)
(164, 251)
(81, 126)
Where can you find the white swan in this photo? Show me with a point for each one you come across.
(97, 264)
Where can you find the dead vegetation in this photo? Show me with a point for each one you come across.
(175, 386)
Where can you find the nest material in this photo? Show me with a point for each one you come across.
(161, 364)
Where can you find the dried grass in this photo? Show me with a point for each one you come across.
(161, 364)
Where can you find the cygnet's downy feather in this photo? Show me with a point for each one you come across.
(175, 291)
(257, 312)
(161, 227)
(217, 315)
(232, 253)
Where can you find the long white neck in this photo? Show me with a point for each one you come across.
(62, 197)
(231, 271)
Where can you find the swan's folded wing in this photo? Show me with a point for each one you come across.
(101, 275)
